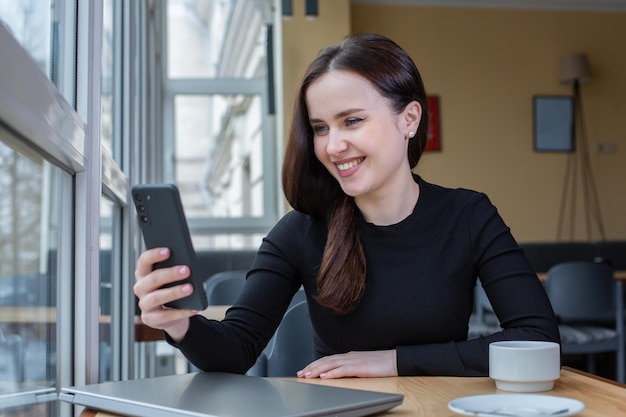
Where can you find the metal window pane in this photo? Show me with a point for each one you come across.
(46, 29)
(28, 279)
(30, 24)
(31, 106)
(218, 155)
(218, 118)
(216, 39)
(110, 290)
(109, 55)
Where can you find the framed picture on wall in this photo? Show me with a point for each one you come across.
(433, 134)
(553, 118)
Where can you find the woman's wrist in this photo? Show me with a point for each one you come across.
(178, 331)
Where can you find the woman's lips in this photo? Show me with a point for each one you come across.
(347, 168)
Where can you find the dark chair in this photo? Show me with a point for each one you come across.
(297, 298)
(223, 288)
(260, 368)
(588, 302)
(291, 348)
(483, 320)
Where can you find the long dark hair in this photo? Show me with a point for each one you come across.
(311, 189)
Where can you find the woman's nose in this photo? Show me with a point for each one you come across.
(336, 143)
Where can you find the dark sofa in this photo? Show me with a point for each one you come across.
(543, 255)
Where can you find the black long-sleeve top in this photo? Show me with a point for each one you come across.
(418, 299)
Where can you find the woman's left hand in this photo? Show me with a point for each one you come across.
(370, 364)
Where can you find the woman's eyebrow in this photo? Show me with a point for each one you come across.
(339, 115)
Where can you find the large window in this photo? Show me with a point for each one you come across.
(64, 292)
(29, 21)
(46, 29)
(41, 147)
(93, 99)
(219, 144)
(28, 281)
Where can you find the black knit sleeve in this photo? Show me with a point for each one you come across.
(233, 344)
(515, 292)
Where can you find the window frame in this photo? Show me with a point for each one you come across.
(172, 87)
(39, 118)
(62, 124)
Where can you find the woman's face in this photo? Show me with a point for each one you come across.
(357, 136)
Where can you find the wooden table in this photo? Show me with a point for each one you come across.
(429, 396)
(48, 315)
(21, 315)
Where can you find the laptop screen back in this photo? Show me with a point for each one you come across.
(221, 394)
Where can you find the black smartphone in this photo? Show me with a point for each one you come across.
(163, 224)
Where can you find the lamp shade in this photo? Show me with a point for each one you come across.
(575, 67)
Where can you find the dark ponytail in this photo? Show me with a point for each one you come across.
(341, 279)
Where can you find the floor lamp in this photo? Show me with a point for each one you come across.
(575, 71)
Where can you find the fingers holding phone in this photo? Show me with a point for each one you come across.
(147, 260)
(151, 280)
(157, 287)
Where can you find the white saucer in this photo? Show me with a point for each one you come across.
(516, 405)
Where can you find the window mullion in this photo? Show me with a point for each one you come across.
(88, 190)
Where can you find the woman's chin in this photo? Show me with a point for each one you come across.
(351, 191)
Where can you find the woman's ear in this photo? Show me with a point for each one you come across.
(412, 116)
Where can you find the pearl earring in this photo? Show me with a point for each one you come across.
(411, 134)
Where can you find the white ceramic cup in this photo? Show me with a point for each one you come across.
(524, 366)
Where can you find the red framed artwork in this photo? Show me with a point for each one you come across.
(433, 135)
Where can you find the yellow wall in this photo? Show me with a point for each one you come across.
(485, 66)
(302, 40)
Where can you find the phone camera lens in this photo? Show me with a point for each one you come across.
(141, 208)
(144, 219)
(138, 197)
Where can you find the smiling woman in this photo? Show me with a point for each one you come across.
(388, 261)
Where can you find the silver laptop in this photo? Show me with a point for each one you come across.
(216, 394)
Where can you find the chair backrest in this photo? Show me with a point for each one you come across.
(260, 367)
(292, 348)
(298, 297)
(582, 291)
(481, 301)
(223, 288)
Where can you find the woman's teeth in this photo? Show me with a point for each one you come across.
(348, 165)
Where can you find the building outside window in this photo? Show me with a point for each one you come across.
(219, 145)
(82, 118)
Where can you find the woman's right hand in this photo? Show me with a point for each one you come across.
(152, 298)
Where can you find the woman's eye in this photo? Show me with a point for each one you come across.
(319, 130)
(353, 121)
